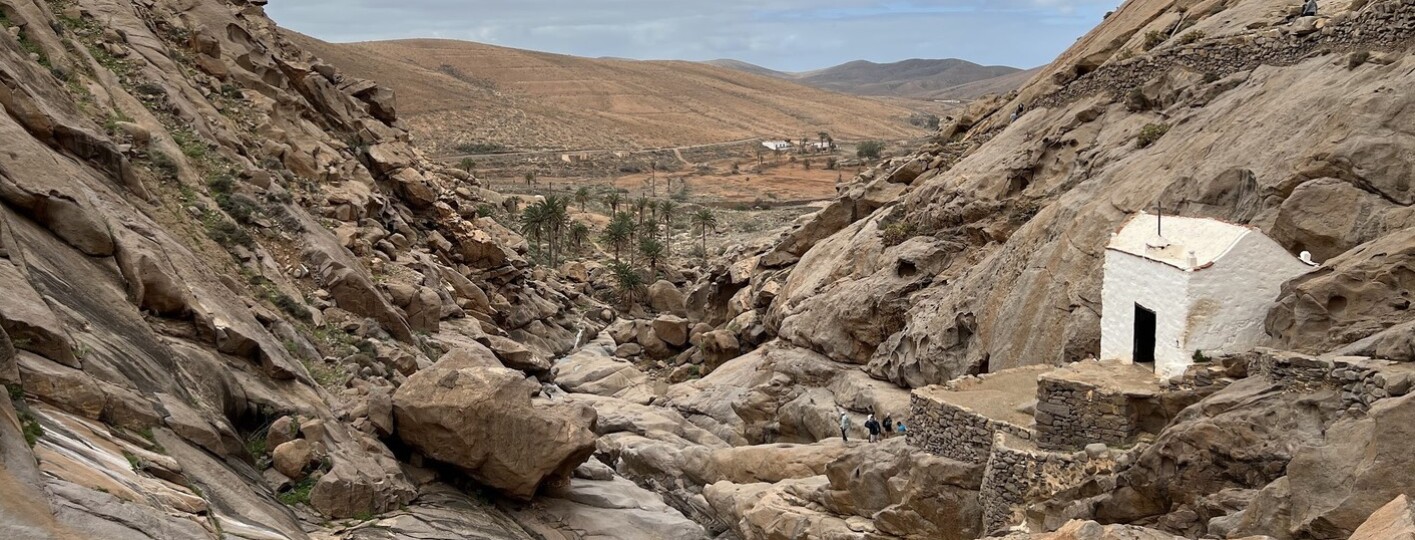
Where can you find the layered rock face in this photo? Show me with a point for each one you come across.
(220, 259)
(983, 252)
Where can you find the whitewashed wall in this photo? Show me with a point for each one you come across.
(1232, 297)
(1161, 288)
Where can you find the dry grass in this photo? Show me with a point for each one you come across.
(452, 93)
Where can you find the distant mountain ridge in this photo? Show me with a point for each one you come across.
(458, 94)
(948, 78)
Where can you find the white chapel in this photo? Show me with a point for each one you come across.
(1177, 286)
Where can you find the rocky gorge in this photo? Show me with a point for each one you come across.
(240, 303)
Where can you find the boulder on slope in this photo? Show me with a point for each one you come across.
(484, 422)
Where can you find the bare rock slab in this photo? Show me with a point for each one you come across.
(484, 422)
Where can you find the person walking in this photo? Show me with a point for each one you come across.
(1310, 9)
(874, 428)
(845, 426)
(900, 428)
(888, 426)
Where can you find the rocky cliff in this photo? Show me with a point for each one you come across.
(220, 258)
(983, 252)
(238, 303)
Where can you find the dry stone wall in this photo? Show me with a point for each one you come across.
(1018, 474)
(1072, 414)
(954, 432)
(1385, 24)
(1361, 381)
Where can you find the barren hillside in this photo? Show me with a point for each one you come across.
(454, 92)
(915, 79)
(907, 78)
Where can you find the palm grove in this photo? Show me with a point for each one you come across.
(638, 236)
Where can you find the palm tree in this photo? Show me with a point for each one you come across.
(641, 204)
(612, 200)
(557, 217)
(619, 232)
(627, 280)
(667, 211)
(533, 221)
(582, 196)
(705, 219)
(579, 233)
(652, 250)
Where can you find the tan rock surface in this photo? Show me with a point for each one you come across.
(484, 422)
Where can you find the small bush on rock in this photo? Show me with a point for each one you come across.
(898, 233)
(1149, 134)
(1153, 39)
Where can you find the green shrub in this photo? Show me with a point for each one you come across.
(1150, 133)
(291, 306)
(239, 208)
(869, 149)
(226, 232)
(29, 425)
(1191, 37)
(192, 146)
(898, 233)
(1153, 39)
(299, 492)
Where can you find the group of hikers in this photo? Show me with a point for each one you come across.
(878, 430)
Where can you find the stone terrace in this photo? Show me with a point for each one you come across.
(958, 420)
(1091, 402)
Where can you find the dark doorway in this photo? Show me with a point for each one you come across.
(1144, 336)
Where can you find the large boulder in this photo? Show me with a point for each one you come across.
(1394, 521)
(666, 298)
(1363, 464)
(292, 457)
(672, 329)
(484, 422)
(718, 347)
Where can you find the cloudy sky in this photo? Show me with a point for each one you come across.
(793, 35)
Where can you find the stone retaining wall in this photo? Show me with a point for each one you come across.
(1015, 477)
(1384, 25)
(1072, 414)
(1361, 381)
(954, 432)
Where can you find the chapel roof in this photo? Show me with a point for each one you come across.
(1208, 239)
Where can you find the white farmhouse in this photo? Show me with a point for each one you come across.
(777, 146)
(1175, 286)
